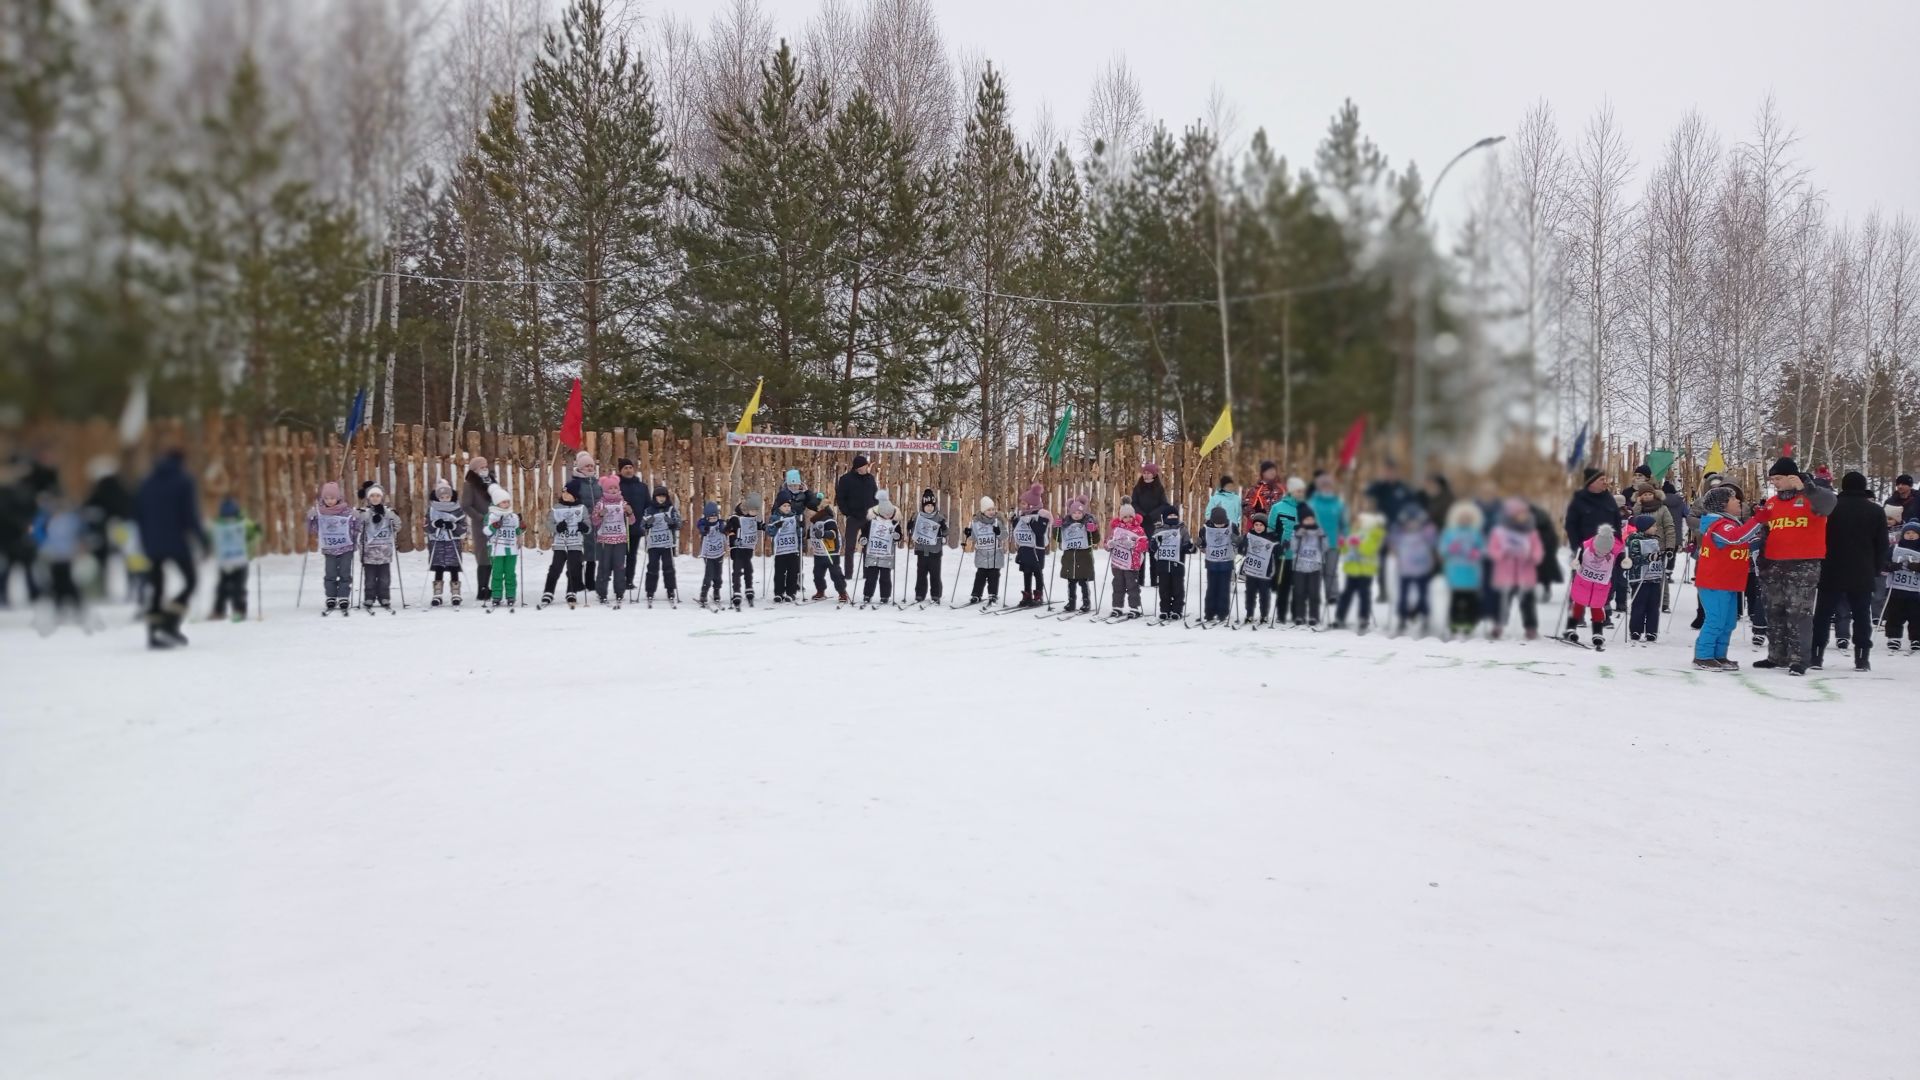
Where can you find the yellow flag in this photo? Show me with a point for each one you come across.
(745, 427)
(1716, 462)
(1222, 431)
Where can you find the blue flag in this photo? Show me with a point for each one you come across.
(353, 415)
(1579, 450)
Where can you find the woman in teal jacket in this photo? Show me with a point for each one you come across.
(1331, 512)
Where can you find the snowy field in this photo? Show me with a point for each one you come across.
(819, 843)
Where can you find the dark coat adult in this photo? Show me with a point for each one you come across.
(856, 493)
(634, 492)
(1856, 539)
(168, 510)
(1549, 547)
(1389, 496)
(475, 502)
(1677, 509)
(1586, 512)
(1150, 502)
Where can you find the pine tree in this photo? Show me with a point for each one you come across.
(1058, 267)
(598, 155)
(753, 302)
(271, 269)
(890, 232)
(994, 203)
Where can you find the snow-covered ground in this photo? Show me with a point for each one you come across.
(819, 843)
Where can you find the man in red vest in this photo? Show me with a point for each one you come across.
(1796, 517)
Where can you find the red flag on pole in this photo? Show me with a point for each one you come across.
(1350, 446)
(572, 433)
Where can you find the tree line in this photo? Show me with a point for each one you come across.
(264, 208)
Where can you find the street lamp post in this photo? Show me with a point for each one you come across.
(1423, 321)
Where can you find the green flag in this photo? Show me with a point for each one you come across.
(1659, 461)
(1058, 444)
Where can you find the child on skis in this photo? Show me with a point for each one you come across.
(569, 521)
(234, 538)
(1722, 564)
(1078, 531)
(338, 528)
(1309, 567)
(783, 535)
(1217, 541)
(502, 532)
(929, 542)
(612, 519)
(1171, 546)
(1360, 562)
(1411, 545)
(743, 536)
(446, 527)
(1256, 566)
(1592, 581)
(660, 524)
(1126, 560)
(60, 533)
(1463, 553)
(1032, 527)
(713, 550)
(379, 529)
(823, 543)
(1903, 588)
(1514, 548)
(883, 538)
(987, 534)
(1646, 578)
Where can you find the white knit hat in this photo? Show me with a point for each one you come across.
(499, 495)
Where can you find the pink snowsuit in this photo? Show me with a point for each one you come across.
(1516, 557)
(1593, 573)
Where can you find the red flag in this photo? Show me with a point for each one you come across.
(1350, 446)
(572, 434)
(1787, 450)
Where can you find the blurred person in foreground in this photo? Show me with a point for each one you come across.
(168, 512)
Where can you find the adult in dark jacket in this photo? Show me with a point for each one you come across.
(1151, 503)
(1549, 551)
(475, 502)
(638, 497)
(856, 493)
(1856, 555)
(16, 530)
(584, 482)
(168, 511)
(1389, 493)
(1903, 498)
(1591, 507)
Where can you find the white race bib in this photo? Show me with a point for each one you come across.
(1219, 541)
(1073, 536)
(714, 544)
(1166, 546)
(336, 530)
(926, 531)
(1023, 533)
(1905, 580)
(786, 537)
(1259, 561)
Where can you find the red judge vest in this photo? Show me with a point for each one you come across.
(1794, 531)
(1722, 567)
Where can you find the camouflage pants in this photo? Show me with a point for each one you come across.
(1790, 587)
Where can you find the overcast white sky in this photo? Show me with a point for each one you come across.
(1431, 76)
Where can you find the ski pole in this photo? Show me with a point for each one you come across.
(960, 567)
(400, 573)
(1100, 591)
(259, 594)
(301, 593)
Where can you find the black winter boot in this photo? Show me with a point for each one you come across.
(1860, 657)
